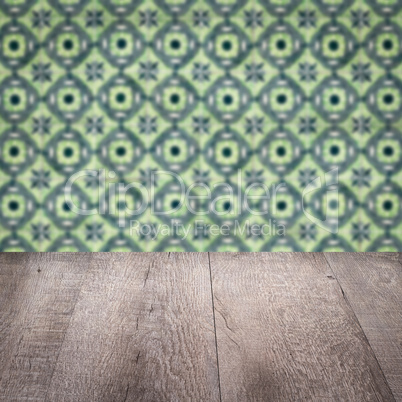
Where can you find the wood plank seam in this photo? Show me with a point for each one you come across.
(357, 322)
(213, 314)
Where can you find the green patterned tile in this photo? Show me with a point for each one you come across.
(206, 125)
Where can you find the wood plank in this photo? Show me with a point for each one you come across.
(142, 330)
(38, 293)
(372, 283)
(285, 332)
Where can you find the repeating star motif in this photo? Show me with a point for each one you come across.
(283, 92)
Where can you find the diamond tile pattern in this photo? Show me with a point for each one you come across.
(98, 95)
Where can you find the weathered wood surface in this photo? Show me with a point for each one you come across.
(372, 283)
(142, 331)
(286, 333)
(38, 293)
(146, 327)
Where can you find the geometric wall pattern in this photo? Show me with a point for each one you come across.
(280, 91)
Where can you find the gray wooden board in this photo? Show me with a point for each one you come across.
(38, 293)
(132, 327)
(286, 333)
(142, 331)
(372, 283)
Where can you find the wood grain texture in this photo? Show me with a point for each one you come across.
(286, 333)
(372, 283)
(142, 331)
(140, 327)
(38, 293)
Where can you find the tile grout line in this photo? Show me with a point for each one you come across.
(358, 323)
(213, 314)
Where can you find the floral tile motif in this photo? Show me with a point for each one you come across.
(205, 125)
